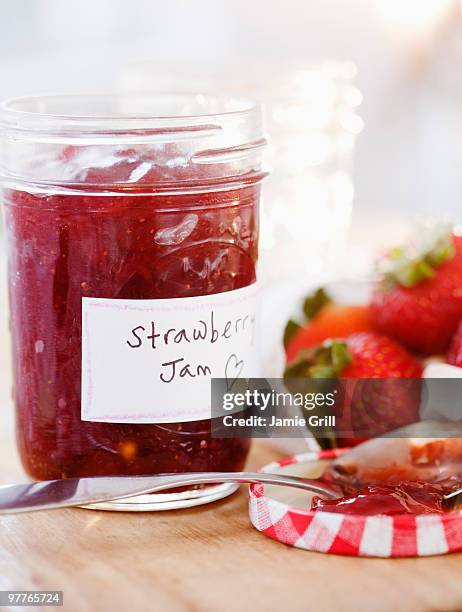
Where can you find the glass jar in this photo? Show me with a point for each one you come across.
(310, 111)
(125, 215)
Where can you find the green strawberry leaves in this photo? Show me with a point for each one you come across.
(312, 305)
(325, 361)
(305, 375)
(290, 330)
(409, 267)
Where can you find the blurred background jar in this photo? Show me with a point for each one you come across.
(311, 119)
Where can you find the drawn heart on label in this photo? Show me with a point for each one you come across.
(233, 369)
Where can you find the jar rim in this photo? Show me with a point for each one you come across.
(128, 109)
(221, 137)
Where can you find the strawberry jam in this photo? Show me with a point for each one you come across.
(431, 470)
(65, 247)
(403, 498)
(136, 223)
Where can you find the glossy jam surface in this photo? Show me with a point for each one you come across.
(417, 486)
(128, 246)
(407, 497)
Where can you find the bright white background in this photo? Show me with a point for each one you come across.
(408, 53)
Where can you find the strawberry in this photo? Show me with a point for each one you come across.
(419, 300)
(374, 355)
(454, 356)
(372, 406)
(325, 320)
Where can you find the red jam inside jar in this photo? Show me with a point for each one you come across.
(171, 214)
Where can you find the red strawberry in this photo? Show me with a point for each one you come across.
(382, 401)
(374, 355)
(455, 349)
(326, 320)
(419, 301)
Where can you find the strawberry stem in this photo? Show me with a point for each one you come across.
(290, 330)
(315, 302)
(325, 361)
(312, 305)
(408, 269)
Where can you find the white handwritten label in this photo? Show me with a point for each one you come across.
(151, 361)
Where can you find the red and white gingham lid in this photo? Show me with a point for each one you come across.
(286, 520)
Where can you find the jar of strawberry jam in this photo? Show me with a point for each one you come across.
(132, 226)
